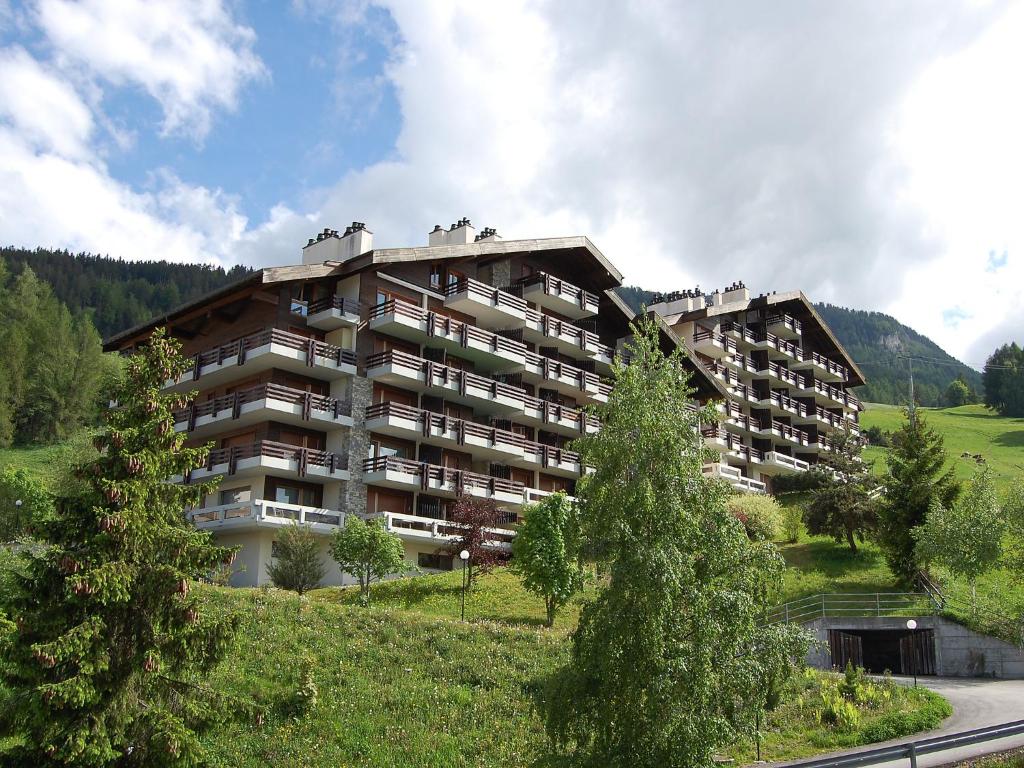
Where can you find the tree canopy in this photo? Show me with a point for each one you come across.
(365, 549)
(1004, 380)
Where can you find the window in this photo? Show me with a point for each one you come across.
(435, 275)
(454, 277)
(235, 495)
(291, 492)
(434, 561)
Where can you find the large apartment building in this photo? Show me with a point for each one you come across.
(391, 381)
(783, 376)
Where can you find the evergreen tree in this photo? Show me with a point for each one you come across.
(916, 478)
(1003, 380)
(665, 656)
(107, 662)
(546, 552)
(843, 505)
(297, 565)
(365, 549)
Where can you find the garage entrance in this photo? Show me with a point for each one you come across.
(901, 651)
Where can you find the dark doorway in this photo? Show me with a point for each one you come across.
(900, 651)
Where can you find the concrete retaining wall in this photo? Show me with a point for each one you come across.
(959, 651)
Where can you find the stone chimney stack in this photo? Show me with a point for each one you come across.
(330, 246)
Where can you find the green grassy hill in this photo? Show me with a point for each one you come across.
(971, 429)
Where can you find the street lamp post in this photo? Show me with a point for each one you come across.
(17, 514)
(912, 625)
(464, 557)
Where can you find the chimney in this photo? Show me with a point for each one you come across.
(487, 235)
(715, 299)
(461, 233)
(735, 293)
(677, 302)
(438, 236)
(330, 246)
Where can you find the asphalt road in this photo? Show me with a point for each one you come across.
(976, 704)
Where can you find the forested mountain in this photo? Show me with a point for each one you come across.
(119, 294)
(874, 340)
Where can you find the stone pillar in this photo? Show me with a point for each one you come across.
(354, 491)
(501, 273)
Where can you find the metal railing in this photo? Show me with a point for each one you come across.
(853, 605)
(912, 750)
(239, 348)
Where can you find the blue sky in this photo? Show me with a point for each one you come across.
(868, 155)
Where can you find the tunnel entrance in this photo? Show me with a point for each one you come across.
(901, 651)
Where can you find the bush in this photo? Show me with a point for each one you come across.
(792, 523)
(297, 565)
(837, 712)
(898, 724)
(875, 436)
(761, 515)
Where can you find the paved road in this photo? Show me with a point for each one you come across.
(976, 704)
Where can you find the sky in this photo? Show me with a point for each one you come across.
(869, 154)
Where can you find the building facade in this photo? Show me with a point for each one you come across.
(391, 381)
(783, 376)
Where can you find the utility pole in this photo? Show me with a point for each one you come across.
(910, 364)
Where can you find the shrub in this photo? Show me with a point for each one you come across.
(837, 712)
(792, 523)
(897, 724)
(297, 565)
(761, 515)
(876, 436)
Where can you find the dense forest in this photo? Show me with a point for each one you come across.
(874, 341)
(119, 294)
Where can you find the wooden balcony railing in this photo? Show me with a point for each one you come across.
(557, 328)
(488, 293)
(554, 286)
(783, 319)
(427, 421)
(820, 360)
(239, 348)
(456, 480)
(304, 457)
(438, 375)
(342, 304)
(309, 402)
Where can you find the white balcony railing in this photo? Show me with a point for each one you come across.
(263, 512)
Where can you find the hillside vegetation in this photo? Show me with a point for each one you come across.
(969, 429)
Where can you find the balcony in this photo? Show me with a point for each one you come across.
(783, 405)
(262, 513)
(734, 477)
(820, 366)
(774, 462)
(483, 394)
(716, 438)
(265, 456)
(714, 344)
(745, 392)
(393, 472)
(567, 338)
(407, 321)
(778, 348)
(265, 402)
(564, 378)
(333, 312)
(823, 419)
(482, 440)
(428, 529)
(257, 352)
(557, 295)
(784, 325)
(491, 306)
(734, 417)
(739, 362)
(780, 375)
(739, 332)
(781, 431)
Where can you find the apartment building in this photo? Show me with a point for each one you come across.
(783, 376)
(391, 381)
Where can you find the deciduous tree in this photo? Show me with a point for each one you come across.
(844, 505)
(546, 552)
(22, 501)
(664, 656)
(967, 537)
(111, 648)
(366, 550)
(473, 522)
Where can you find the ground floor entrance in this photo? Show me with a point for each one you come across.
(900, 651)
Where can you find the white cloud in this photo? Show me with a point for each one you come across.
(189, 55)
(41, 107)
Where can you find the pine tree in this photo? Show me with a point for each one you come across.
(915, 479)
(107, 660)
(297, 565)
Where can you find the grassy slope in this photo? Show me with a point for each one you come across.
(41, 462)
(405, 683)
(971, 428)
